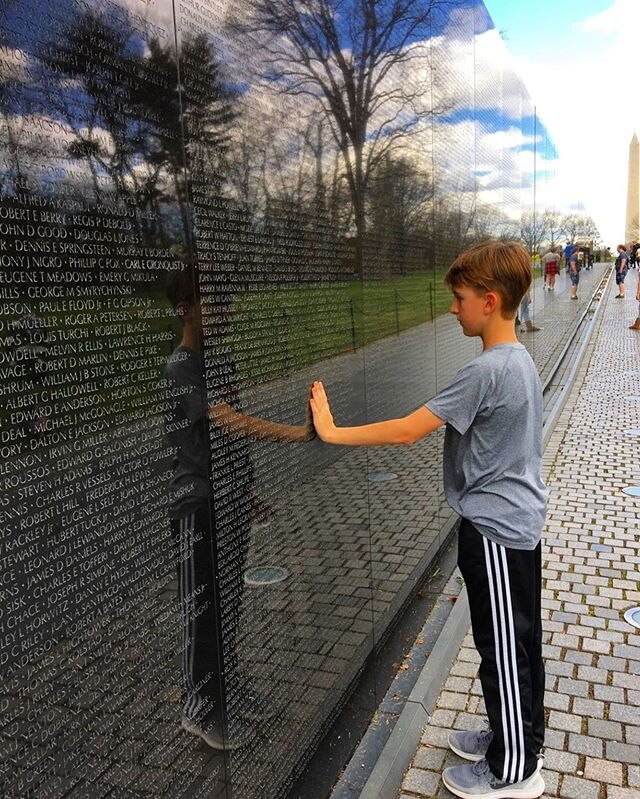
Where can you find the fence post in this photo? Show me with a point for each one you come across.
(287, 355)
(397, 313)
(354, 342)
(431, 309)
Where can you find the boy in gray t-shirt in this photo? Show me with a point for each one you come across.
(492, 477)
(211, 512)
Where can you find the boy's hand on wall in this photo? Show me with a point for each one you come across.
(322, 416)
(309, 428)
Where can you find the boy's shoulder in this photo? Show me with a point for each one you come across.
(503, 362)
(182, 361)
(501, 354)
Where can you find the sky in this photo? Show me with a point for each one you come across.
(579, 61)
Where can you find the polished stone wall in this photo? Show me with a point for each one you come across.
(204, 207)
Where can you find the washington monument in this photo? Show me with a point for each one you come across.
(632, 228)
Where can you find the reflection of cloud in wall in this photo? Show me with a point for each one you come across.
(16, 66)
(499, 160)
(496, 86)
(153, 20)
(488, 150)
(44, 143)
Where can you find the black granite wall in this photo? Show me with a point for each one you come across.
(204, 207)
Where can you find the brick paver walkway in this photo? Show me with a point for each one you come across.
(591, 576)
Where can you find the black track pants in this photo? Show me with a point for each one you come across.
(504, 587)
(209, 623)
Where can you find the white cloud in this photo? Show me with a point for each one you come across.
(584, 95)
(620, 18)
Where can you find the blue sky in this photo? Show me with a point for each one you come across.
(537, 26)
(573, 56)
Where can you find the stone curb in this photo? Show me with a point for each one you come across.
(386, 777)
(553, 417)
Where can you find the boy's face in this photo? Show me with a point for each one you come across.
(472, 308)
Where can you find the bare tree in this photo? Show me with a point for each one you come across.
(580, 226)
(533, 230)
(353, 58)
(401, 196)
(553, 227)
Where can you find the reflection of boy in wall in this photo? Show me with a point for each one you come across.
(210, 510)
(492, 474)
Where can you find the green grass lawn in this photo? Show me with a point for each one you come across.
(273, 332)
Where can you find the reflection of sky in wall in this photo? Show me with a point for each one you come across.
(20, 33)
(502, 105)
(441, 20)
(533, 137)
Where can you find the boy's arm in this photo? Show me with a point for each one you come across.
(406, 430)
(258, 429)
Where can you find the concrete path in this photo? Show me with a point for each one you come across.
(591, 567)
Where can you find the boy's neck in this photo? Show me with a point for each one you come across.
(499, 331)
(191, 338)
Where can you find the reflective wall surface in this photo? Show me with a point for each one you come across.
(204, 207)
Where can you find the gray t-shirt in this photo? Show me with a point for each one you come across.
(493, 446)
(206, 455)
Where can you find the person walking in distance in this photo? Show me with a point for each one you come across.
(526, 325)
(622, 265)
(551, 261)
(492, 463)
(574, 273)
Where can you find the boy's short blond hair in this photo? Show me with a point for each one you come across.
(500, 266)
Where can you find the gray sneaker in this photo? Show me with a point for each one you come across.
(478, 782)
(214, 737)
(471, 745)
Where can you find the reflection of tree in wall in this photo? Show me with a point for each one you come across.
(125, 115)
(15, 148)
(351, 58)
(400, 201)
(580, 227)
(533, 230)
(458, 222)
(549, 229)
(266, 170)
(553, 228)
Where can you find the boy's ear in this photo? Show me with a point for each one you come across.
(492, 301)
(183, 309)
